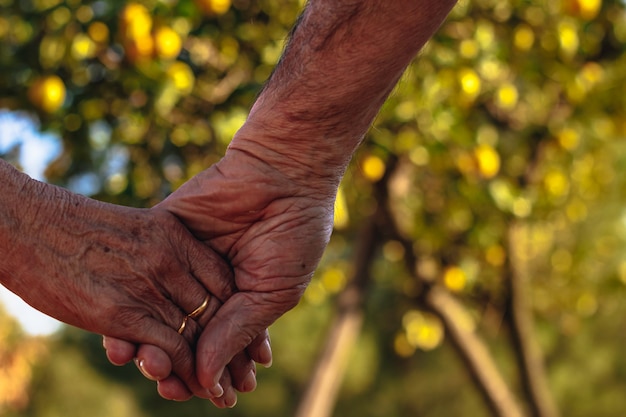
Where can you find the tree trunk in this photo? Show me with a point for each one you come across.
(520, 317)
(321, 395)
(459, 330)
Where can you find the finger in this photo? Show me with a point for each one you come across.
(242, 368)
(153, 362)
(157, 364)
(211, 271)
(229, 399)
(119, 352)
(260, 350)
(190, 331)
(243, 372)
(176, 347)
(236, 324)
(205, 310)
(172, 388)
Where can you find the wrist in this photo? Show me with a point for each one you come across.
(299, 157)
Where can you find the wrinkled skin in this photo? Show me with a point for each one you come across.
(273, 231)
(128, 273)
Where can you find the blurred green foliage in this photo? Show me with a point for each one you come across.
(514, 112)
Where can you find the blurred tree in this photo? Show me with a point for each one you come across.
(496, 269)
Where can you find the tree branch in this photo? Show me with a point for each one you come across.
(473, 352)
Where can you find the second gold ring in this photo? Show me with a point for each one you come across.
(194, 314)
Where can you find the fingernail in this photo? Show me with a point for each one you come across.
(249, 382)
(217, 391)
(230, 399)
(140, 365)
(266, 354)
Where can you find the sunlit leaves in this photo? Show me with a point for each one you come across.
(421, 330)
(135, 22)
(523, 37)
(507, 96)
(341, 213)
(568, 37)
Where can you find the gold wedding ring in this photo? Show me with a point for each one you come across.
(181, 329)
(194, 314)
(198, 311)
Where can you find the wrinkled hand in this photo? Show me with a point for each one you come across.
(128, 273)
(168, 259)
(272, 229)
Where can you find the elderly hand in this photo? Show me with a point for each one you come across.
(271, 228)
(133, 274)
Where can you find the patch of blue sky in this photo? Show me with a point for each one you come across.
(37, 149)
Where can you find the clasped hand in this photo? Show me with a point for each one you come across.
(272, 231)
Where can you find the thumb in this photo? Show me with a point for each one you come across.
(240, 322)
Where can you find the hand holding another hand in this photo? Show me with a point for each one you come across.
(132, 274)
(272, 229)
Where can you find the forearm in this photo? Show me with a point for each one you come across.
(42, 234)
(20, 201)
(341, 63)
(53, 242)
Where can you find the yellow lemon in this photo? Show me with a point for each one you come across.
(139, 48)
(167, 42)
(488, 160)
(214, 7)
(373, 168)
(470, 83)
(589, 8)
(181, 77)
(586, 9)
(98, 32)
(507, 96)
(47, 93)
(454, 278)
(135, 21)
